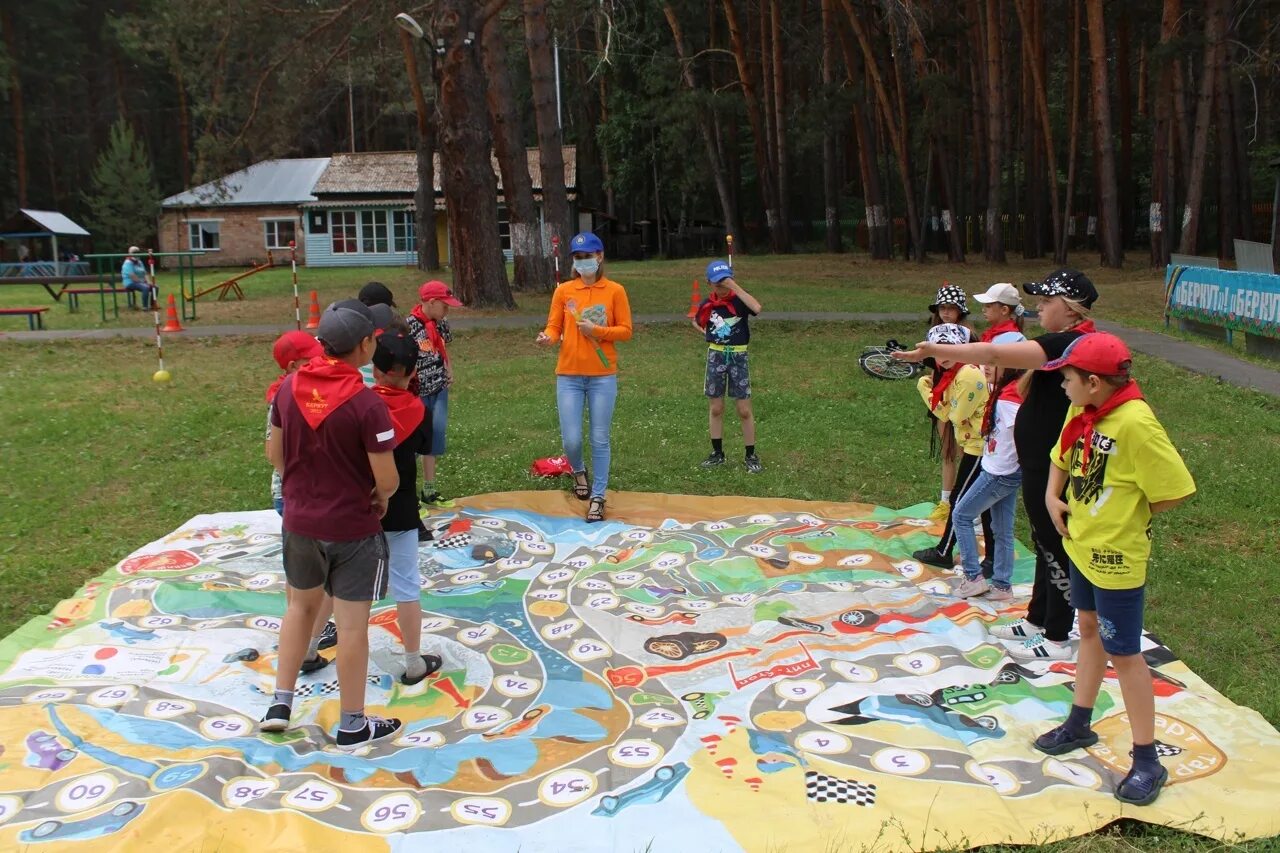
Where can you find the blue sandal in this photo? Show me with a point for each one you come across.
(1141, 788)
(1062, 739)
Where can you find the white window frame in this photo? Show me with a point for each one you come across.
(273, 224)
(194, 227)
(374, 231)
(404, 232)
(338, 224)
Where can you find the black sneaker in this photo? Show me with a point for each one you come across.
(375, 729)
(713, 460)
(433, 663)
(933, 557)
(314, 664)
(753, 464)
(424, 535)
(276, 719)
(433, 500)
(329, 636)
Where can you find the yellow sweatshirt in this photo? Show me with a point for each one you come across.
(962, 404)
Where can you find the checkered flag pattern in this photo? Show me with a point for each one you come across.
(822, 788)
(457, 540)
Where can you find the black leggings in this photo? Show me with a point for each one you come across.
(1050, 605)
(966, 475)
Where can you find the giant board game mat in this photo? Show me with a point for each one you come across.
(693, 674)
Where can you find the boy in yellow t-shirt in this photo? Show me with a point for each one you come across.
(1118, 468)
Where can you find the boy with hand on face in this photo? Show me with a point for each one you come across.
(723, 319)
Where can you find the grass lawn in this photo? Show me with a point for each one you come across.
(98, 460)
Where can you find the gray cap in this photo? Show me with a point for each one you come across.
(383, 316)
(344, 324)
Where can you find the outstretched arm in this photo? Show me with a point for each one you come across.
(1024, 355)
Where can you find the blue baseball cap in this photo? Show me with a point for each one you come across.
(586, 242)
(718, 271)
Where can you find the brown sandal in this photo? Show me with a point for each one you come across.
(581, 485)
(595, 510)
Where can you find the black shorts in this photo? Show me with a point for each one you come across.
(350, 571)
(727, 372)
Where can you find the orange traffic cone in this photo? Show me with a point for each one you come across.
(313, 317)
(694, 300)
(171, 323)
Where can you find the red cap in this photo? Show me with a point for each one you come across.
(292, 346)
(438, 290)
(1098, 353)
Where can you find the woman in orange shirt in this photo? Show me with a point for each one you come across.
(589, 314)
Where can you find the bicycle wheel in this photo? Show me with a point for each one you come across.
(881, 365)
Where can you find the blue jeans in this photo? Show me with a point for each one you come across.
(144, 289)
(1000, 495)
(598, 394)
(437, 405)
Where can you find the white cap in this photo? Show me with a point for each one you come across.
(1001, 292)
(133, 250)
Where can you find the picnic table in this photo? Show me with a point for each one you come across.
(48, 282)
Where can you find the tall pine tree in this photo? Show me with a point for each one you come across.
(122, 200)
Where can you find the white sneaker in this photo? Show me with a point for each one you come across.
(1041, 647)
(997, 594)
(1020, 630)
(972, 588)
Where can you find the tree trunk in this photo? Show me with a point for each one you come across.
(532, 272)
(704, 122)
(1224, 130)
(896, 134)
(15, 101)
(1104, 144)
(830, 168)
(424, 197)
(555, 199)
(1213, 29)
(755, 116)
(1074, 133)
(1244, 181)
(993, 245)
(879, 240)
(780, 158)
(1159, 220)
(470, 188)
(1125, 106)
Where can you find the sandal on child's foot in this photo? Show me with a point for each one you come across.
(1141, 787)
(595, 510)
(1062, 739)
(581, 485)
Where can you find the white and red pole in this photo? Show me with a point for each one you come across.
(160, 375)
(555, 253)
(293, 262)
(728, 241)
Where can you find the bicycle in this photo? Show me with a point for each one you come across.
(879, 363)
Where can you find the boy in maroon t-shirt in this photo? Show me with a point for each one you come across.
(333, 439)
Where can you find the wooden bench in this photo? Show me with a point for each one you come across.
(35, 316)
(74, 294)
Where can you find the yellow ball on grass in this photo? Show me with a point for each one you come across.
(161, 376)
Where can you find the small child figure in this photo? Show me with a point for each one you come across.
(1118, 468)
(394, 363)
(723, 319)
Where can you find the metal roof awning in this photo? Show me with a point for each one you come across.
(49, 223)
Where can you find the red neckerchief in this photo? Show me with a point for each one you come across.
(274, 387)
(405, 407)
(1081, 426)
(713, 301)
(1084, 328)
(434, 339)
(940, 387)
(998, 329)
(322, 385)
(1009, 393)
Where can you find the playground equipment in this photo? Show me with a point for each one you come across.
(232, 285)
(106, 268)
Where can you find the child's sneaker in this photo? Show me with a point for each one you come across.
(375, 729)
(276, 719)
(941, 511)
(1020, 630)
(314, 664)
(713, 460)
(430, 665)
(933, 557)
(434, 500)
(998, 594)
(1041, 647)
(329, 636)
(753, 464)
(972, 588)
(1062, 739)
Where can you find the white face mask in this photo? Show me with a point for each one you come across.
(586, 266)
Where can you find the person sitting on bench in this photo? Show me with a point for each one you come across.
(134, 276)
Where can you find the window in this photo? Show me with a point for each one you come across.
(402, 231)
(373, 231)
(504, 228)
(279, 233)
(204, 234)
(343, 232)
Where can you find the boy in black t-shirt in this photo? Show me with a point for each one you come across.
(394, 363)
(723, 319)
